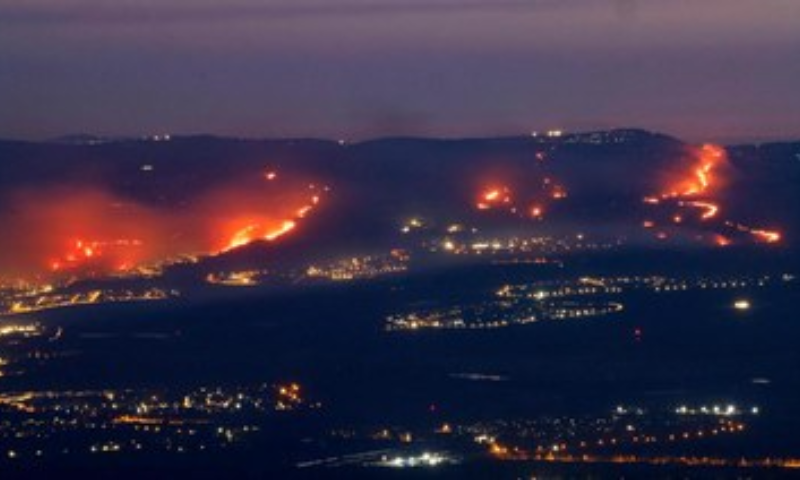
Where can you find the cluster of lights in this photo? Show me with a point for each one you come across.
(245, 278)
(364, 267)
(729, 410)
(425, 459)
(48, 301)
(164, 420)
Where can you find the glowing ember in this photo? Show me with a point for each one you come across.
(722, 241)
(303, 211)
(559, 193)
(709, 209)
(491, 195)
(522, 202)
(494, 197)
(767, 236)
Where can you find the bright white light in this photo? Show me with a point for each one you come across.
(742, 305)
(426, 459)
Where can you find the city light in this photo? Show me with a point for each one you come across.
(742, 305)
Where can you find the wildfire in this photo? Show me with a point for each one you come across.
(286, 227)
(701, 178)
(268, 229)
(243, 236)
(767, 236)
(694, 191)
(494, 197)
(80, 231)
(722, 241)
(532, 205)
(559, 193)
(82, 252)
(491, 195)
(709, 209)
(256, 231)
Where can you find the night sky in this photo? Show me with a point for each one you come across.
(722, 70)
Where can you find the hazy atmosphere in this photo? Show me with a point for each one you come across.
(720, 70)
(399, 239)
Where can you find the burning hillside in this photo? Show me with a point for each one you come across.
(85, 231)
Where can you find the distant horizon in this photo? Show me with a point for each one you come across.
(746, 139)
(713, 71)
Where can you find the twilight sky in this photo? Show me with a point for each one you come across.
(701, 69)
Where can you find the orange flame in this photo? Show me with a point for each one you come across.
(767, 236)
(700, 181)
(80, 231)
(722, 241)
(256, 231)
(493, 197)
(709, 209)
